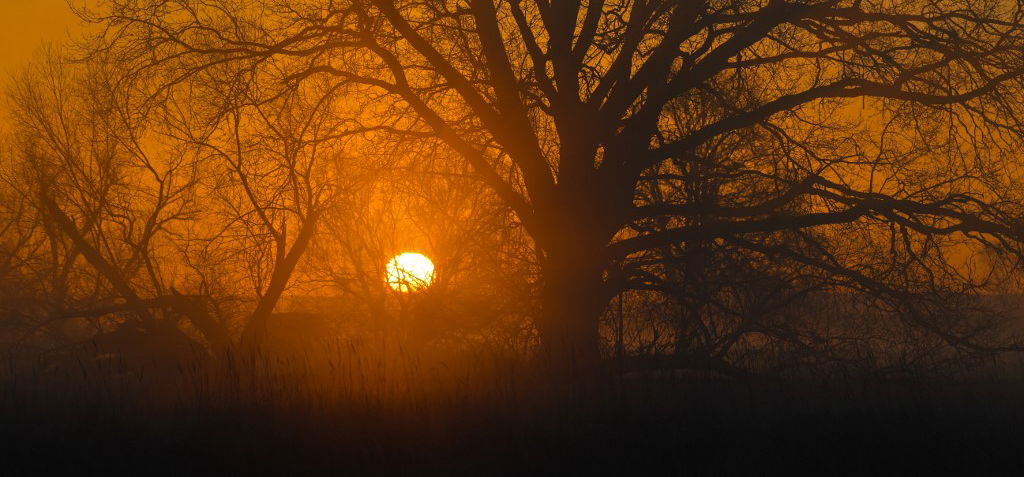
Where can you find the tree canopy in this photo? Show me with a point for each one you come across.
(856, 147)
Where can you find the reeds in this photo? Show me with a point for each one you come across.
(381, 410)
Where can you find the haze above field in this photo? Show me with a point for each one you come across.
(25, 24)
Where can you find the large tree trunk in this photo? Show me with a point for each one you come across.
(573, 231)
(573, 297)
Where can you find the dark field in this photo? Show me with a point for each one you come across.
(376, 418)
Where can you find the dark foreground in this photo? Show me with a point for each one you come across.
(650, 424)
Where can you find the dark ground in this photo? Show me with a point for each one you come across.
(650, 425)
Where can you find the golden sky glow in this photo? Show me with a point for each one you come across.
(410, 271)
(25, 24)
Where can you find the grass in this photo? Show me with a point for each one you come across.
(347, 411)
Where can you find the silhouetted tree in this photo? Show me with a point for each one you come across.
(273, 169)
(857, 130)
(106, 200)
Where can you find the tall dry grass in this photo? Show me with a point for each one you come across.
(386, 410)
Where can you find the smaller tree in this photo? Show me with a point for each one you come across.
(109, 198)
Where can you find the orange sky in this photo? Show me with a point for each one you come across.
(24, 24)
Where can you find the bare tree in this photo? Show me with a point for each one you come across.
(274, 163)
(104, 193)
(882, 119)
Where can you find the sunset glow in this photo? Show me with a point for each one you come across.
(409, 272)
(664, 231)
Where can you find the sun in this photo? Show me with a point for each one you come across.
(409, 272)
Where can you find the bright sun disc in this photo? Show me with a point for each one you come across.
(409, 272)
